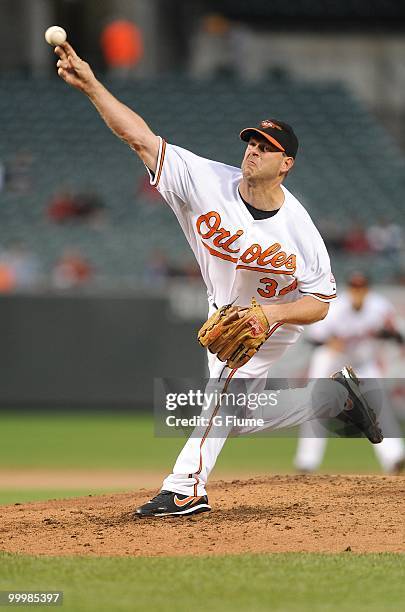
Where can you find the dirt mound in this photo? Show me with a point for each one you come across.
(273, 514)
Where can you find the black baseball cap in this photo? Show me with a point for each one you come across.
(280, 134)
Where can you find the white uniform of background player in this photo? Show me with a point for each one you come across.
(348, 336)
(280, 258)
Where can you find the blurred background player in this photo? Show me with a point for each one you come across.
(351, 334)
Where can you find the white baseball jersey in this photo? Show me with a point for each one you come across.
(357, 328)
(276, 260)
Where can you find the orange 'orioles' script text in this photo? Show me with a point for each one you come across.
(209, 228)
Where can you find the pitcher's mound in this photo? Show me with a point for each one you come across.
(273, 514)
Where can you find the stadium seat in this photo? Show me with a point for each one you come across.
(337, 174)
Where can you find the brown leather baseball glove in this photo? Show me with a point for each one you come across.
(235, 334)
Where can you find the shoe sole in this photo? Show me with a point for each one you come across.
(353, 383)
(194, 510)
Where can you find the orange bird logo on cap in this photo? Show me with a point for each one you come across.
(269, 124)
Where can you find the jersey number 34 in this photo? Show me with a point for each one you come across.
(271, 285)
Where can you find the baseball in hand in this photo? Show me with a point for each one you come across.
(55, 35)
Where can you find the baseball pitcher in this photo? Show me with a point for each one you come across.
(265, 266)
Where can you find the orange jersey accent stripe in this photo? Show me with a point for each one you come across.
(273, 329)
(219, 254)
(320, 295)
(162, 159)
(242, 267)
(196, 485)
(207, 431)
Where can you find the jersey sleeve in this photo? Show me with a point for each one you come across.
(316, 278)
(175, 174)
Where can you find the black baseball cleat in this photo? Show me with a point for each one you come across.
(167, 503)
(357, 411)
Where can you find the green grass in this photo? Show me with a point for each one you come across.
(123, 441)
(13, 496)
(278, 582)
(88, 441)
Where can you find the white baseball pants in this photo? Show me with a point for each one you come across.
(294, 406)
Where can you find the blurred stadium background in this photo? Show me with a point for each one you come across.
(98, 288)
